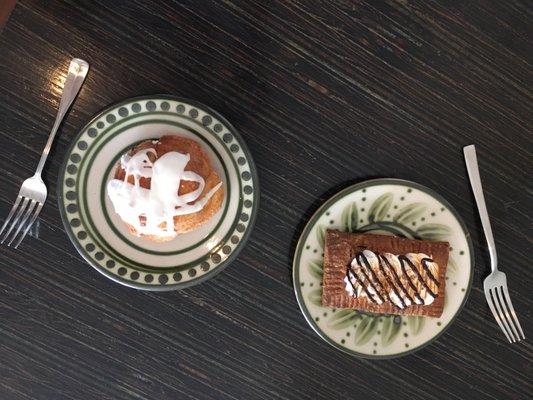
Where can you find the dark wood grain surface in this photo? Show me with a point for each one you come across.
(325, 94)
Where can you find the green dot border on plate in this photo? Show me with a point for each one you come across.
(393, 214)
(118, 267)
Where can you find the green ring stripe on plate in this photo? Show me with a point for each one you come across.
(103, 243)
(99, 239)
(137, 247)
(116, 124)
(121, 236)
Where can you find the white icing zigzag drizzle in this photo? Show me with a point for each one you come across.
(161, 202)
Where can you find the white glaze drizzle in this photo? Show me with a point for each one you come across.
(161, 202)
(358, 286)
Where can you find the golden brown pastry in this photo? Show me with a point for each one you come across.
(165, 182)
(384, 274)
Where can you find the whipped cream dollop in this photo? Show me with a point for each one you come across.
(402, 280)
(161, 203)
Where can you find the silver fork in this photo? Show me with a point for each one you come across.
(32, 193)
(495, 284)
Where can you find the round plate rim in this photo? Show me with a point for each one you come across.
(159, 287)
(332, 200)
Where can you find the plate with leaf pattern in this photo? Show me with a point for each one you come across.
(104, 240)
(382, 206)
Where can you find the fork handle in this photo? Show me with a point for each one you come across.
(475, 182)
(75, 77)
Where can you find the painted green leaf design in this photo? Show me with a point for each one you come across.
(343, 319)
(378, 210)
(415, 324)
(365, 329)
(389, 330)
(316, 269)
(349, 217)
(388, 227)
(433, 231)
(320, 233)
(315, 297)
(452, 265)
(410, 213)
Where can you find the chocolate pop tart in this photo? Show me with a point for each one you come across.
(384, 274)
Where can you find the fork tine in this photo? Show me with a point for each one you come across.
(16, 219)
(13, 209)
(491, 300)
(27, 213)
(28, 226)
(505, 313)
(512, 312)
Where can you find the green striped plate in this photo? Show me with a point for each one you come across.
(101, 237)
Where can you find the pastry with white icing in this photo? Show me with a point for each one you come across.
(165, 187)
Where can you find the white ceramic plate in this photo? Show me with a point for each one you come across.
(103, 239)
(385, 206)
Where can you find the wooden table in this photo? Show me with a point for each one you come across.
(325, 94)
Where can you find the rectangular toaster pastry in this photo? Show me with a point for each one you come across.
(384, 274)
